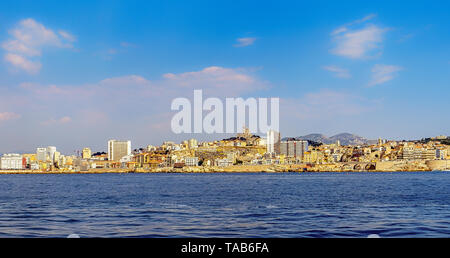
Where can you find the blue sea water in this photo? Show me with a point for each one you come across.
(400, 204)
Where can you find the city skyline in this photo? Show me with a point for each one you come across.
(244, 152)
(269, 137)
(375, 70)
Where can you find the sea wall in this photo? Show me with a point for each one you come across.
(385, 166)
(411, 165)
(389, 165)
(438, 164)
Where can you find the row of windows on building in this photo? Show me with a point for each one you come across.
(289, 148)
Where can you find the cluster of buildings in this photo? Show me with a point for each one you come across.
(244, 149)
(49, 159)
(45, 158)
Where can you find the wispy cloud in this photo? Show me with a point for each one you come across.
(66, 35)
(124, 80)
(357, 39)
(217, 80)
(5, 116)
(91, 109)
(127, 44)
(27, 41)
(109, 53)
(244, 42)
(32, 67)
(131, 93)
(338, 71)
(383, 73)
(344, 28)
(61, 121)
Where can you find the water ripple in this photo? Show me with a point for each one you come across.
(226, 205)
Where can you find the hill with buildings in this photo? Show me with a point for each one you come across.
(343, 138)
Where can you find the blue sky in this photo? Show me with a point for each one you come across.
(76, 73)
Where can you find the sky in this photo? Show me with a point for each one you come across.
(74, 74)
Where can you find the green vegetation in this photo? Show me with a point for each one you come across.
(443, 141)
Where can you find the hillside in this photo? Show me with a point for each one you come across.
(344, 139)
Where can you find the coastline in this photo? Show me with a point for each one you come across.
(392, 166)
(210, 170)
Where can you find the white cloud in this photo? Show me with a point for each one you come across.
(216, 80)
(5, 116)
(118, 88)
(358, 43)
(61, 121)
(125, 80)
(383, 73)
(243, 42)
(357, 39)
(338, 71)
(134, 92)
(92, 109)
(65, 120)
(16, 46)
(67, 35)
(28, 40)
(32, 67)
(344, 28)
(213, 80)
(339, 30)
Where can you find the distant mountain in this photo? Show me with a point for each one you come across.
(315, 137)
(349, 139)
(344, 139)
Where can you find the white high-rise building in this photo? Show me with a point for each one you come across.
(118, 149)
(51, 150)
(41, 154)
(273, 142)
(11, 161)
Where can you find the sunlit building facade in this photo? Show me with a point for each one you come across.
(118, 149)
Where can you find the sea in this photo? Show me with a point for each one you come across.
(236, 205)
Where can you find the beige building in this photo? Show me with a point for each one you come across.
(313, 156)
(118, 149)
(56, 157)
(192, 143)
(86, 153)
(411, 153)
(151, 148)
